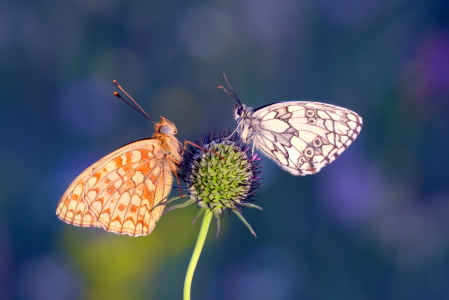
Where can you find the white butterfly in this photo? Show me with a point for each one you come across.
(300, 136)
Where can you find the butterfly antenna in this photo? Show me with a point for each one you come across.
(233, 95)
(136, 105)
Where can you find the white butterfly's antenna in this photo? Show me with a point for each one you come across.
(136, 107)
(233, 95)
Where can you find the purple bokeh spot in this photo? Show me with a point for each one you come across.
(270, 21)
(435, 62)
(426, 75)
(349, 12)
(267, 273)
(87, 106)
(351, 191)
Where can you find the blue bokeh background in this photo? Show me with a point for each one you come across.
(372, 225)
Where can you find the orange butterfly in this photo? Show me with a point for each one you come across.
(126, 191)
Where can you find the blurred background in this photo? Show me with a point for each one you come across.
(372, 225)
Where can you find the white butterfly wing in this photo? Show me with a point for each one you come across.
(300, 136)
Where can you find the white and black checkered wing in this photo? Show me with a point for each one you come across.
(300, 136)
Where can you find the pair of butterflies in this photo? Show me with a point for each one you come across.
(124, 192)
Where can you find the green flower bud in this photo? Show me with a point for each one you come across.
(221, 174)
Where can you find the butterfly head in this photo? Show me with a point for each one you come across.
(165, 127)
(241, 111)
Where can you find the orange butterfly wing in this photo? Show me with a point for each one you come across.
(123, 191)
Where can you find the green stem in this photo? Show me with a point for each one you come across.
(196, 253)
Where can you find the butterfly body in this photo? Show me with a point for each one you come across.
(123, 191)
(300, 136)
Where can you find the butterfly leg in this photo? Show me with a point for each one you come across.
(179, 185)
(199, 147)
(181, 205)
(165, 202)
(235, 130)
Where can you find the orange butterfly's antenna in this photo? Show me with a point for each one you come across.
(233, 95)
(138, 108)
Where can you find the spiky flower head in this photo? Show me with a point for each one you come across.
(221, 174)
